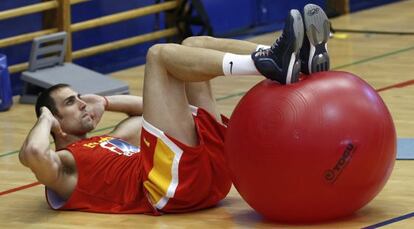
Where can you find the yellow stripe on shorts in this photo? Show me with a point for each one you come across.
(163, 177)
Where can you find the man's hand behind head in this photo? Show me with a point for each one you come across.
(55, 125)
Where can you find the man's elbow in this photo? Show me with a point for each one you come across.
(22, 159)
(28, 154)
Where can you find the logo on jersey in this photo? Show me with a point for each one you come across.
(120, 147)
(147, 143)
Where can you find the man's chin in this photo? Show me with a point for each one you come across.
(85, 130)
(89, 129)
(89, 126)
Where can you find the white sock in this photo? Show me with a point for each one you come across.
(262, 47)
(238, 65)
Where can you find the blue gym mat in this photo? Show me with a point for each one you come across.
(405, 148)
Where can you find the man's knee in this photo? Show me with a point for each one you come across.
(158, 52)
(154, 52)
(198, 41)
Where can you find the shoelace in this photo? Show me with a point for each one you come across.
(264, 52)
(269, 51)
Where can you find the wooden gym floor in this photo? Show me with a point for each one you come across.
(385, 61)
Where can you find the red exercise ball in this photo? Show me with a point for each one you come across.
(314, 150)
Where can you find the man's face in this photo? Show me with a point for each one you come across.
(74, 117)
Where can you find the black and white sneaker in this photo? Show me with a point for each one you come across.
(314, 53)
(281, 61)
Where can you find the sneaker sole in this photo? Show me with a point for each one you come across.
(294, 63)
(318, 30)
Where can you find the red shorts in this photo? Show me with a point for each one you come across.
(180, 178)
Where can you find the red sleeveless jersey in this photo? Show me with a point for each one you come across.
(166, 176)
(109, 178)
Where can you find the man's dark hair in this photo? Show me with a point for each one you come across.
(45, 100)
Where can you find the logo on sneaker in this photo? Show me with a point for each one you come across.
(231, 67)
(313, 12)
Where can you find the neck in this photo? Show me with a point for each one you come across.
(61, 143)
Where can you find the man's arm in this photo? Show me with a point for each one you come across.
(36, 153)
(129, 129)
(128, 104)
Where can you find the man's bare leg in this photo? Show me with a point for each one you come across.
(222, 44)
(168, 67)
(200, 94)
